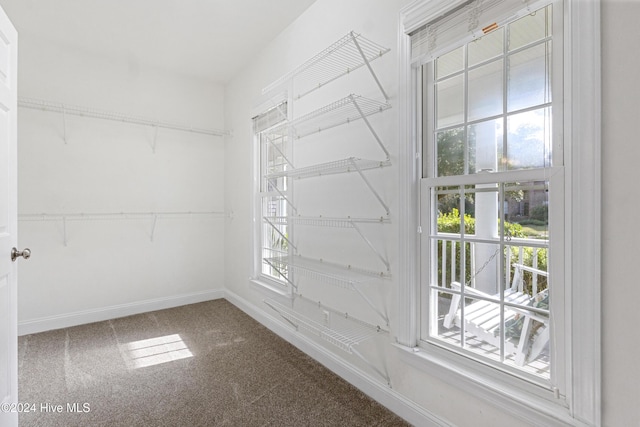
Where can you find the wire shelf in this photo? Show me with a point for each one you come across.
(351, 164)
(110, 216)
(346, 277)
(341, 330)
(341, 112)
(348, 222)
(334, 222)
(58, 107)
(153, 217)
(341, 58)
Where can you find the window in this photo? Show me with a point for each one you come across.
(491, 166)
(499, 161)
(272, 204)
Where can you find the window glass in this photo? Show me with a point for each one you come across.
(487, 47)
(485, 90)
(530, 28)
(528, 80)
(490, 290)
(529, 139)
(487, 271)
(450, 101)
(450, 63)
(450, 146)
(486, 146)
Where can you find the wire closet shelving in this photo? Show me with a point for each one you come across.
(351, 164)
(345, 277)
(339, 329)
(115, 216)
(351, 52)
(64, 109)
(347, 222)
(344, 111)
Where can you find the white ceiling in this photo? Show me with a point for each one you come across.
(204, 38)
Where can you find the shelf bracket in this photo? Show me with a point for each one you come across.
(384, 261)
(64, 230)
(155, 139)
(286, 199)
(366, 61)
(64, 125)
(364, 117)
(384, 375)
(282, 315)
(284, 277)
(370, 303)
(373, 190)
(278, 150)
(280, 233)
(153, 226)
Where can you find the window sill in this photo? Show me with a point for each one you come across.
(511, 395)
(269, 287)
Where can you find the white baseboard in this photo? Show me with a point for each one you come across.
(377, 390)
(105, 313)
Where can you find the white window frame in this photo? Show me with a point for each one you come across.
(579, 403)
(258, 278)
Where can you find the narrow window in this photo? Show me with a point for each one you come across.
(273, 196)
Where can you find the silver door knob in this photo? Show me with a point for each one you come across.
(25, 253)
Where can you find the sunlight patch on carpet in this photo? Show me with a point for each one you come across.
(154, 351)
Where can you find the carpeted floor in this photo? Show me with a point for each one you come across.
(205, 364)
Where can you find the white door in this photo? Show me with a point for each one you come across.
(8, 220)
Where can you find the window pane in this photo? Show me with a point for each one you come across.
(274, 162)
(450, 154)
(527, 283)
(450, 260)
(526, 209)
(527, 337)
(450, 63)
(526, 291)
(485, 91)
(485, 257)
(444, 310)
(530, 28)
(274, 234)
(485, 146)
(487, 47)
(528, 80)
(450, 228)
(448, 210)
(450, 101)
(529, 139)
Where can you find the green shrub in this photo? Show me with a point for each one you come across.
(540, 213)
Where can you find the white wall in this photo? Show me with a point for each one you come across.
(110, 167)
(620, 206)
(324, 23)
(328, 20)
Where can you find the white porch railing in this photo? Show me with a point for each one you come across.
(526, 253)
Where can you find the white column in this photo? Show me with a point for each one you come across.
(486, 210)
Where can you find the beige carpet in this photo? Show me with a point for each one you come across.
(205, 364)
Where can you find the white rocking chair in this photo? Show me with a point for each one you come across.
(482, 317)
